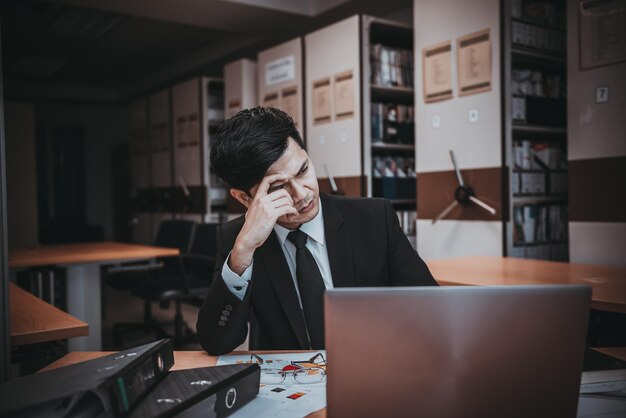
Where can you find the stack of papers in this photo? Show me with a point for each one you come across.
(288, 398)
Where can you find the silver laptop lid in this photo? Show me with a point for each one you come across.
(502, 351)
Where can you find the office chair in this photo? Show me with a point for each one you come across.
(172, 233)
(188, 285)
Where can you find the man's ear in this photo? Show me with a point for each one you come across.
(241, 197)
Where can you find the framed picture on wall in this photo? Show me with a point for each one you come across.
(321, 101)
(437, 72)
(271, 100)
(602, 32)
(474, 63)
(344, 95)
(290, 100)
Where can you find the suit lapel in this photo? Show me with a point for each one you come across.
(338, 243)
(273, 259)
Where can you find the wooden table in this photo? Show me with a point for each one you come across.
(83, 262)
(182, 360)
(608, 283)
(35, 321)
(617, 352)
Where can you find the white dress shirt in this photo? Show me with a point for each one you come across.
(316, 245)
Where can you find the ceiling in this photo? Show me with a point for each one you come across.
(113, 50)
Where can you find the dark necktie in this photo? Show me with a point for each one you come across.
(311, 287)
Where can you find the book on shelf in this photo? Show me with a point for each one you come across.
(539, 111)
(393, 167)
(532, 36)
(539, 169)
(548, 155)
(538, 252)
(558, 183)
(543, 12)
(392, 123)
(391, 67)
(529, 183)
(536, 83)
(393, 177)
(558, 222)
(539, 223)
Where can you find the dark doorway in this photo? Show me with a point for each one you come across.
(68, 173)
(122, 206)
(61, 186)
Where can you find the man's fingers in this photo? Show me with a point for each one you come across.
(286, 210)
(283, 201)
(265, 183)
(278, 194)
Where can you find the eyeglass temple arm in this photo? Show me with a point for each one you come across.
(312, 359)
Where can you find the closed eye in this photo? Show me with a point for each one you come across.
(303, 171)
(277, 187)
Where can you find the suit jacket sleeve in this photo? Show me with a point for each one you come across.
(223, 318)
(406, 267)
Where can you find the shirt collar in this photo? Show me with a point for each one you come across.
(314, 228)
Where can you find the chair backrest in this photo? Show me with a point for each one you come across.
(201, 261)
(176, 233)
(204, 240)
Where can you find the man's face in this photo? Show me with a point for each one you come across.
(300, 183)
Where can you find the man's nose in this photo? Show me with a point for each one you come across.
(298, 191)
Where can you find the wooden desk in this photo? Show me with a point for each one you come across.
(608, 283)
(35, 321)
(83, 262)
(617, 352)
(182, 360)
(90, 252)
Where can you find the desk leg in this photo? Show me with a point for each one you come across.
(84, 302)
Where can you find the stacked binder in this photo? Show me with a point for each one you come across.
(204, 392)
(135, 382)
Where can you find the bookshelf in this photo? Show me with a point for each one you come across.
(198, 109)
(213, 105)
(368, 71)
(535, 134)
(388, 116)
(170, 138)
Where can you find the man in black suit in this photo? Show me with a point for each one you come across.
(274, 263)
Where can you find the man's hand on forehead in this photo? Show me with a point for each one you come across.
(275, 183)
(268, 183)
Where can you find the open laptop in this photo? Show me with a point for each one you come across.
(502, 351)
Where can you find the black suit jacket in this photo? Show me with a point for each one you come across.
(366, 247)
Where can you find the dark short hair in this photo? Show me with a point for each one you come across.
(249, 143)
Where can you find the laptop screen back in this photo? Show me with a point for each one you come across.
(503, 351)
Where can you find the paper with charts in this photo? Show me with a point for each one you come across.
(292, 384)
